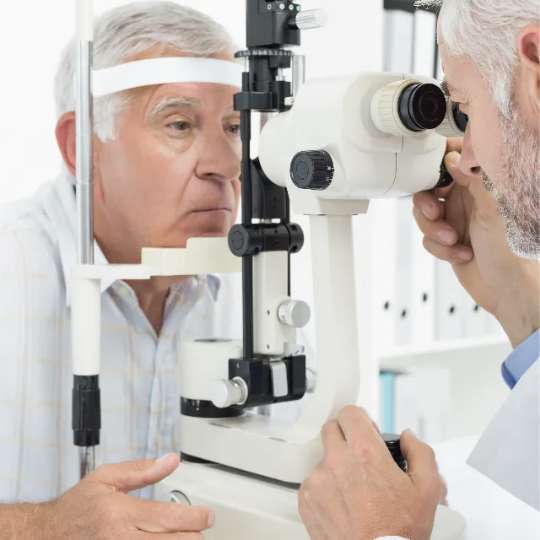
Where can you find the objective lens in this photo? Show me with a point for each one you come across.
(422, 106)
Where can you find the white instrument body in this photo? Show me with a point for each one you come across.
(368, 164)
(248, 508)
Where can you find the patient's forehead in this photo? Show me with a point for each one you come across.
(201, 97)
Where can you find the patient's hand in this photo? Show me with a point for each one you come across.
(359, 493)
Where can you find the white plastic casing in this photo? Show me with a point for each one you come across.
(295, 448)
(201, 256)
(449, 127)
(385, 109)
(247, 508)
(335, 115)
(86, 326)
(270, 286)
(203, 366)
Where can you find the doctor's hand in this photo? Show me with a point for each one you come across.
(99, 507)
(462, 225)
(359, 493)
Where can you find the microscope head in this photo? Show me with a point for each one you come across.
(369, 136)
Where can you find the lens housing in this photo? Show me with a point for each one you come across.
(409, 107)
(455, 122)
(422, 106)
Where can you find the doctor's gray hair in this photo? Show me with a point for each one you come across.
(124, 32)
(486, 31)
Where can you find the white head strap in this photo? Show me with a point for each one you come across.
(169, 70)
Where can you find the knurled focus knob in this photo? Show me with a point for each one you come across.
(393, 443)
(312, 170)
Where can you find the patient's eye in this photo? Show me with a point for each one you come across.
(234, 129)
(180, 126)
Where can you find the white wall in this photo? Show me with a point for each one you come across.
(34, 33)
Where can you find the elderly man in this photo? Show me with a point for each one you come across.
(490, 52)
(167, 168)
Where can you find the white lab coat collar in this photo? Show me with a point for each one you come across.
(59, 205)
(509, 451)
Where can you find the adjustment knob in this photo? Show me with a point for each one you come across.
(225, 393)
(239, 240)
(393, 443)
(310, 19)
(294, 313)
(312, 170)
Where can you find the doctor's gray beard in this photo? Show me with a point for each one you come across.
(518, 192)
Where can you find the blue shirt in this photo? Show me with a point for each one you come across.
(521, 359)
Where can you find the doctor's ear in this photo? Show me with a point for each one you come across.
(529, 55)
(66, 139)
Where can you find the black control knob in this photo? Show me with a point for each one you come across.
(312, 170)
(445, 178)
(461, 119)
(394, 447)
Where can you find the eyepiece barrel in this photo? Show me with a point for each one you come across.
(422, 106)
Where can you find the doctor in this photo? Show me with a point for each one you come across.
(487, 225)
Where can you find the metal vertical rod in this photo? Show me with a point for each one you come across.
(84, 165)
(87, 460)
(436, 58)
(247, 218)
(85, 206)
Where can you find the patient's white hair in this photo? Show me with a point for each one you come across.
(486, 31)
(128, 30)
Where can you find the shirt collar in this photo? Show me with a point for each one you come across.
(61, 208)
(521, 359)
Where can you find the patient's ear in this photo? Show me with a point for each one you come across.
(529, 56)
(67, 142)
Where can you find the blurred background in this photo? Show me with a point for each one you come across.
(438, 351)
